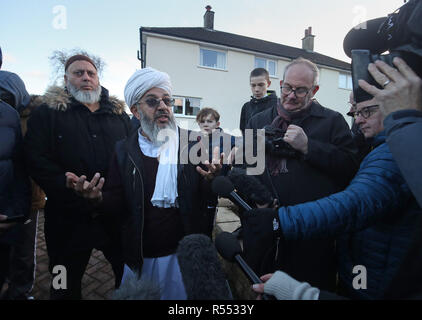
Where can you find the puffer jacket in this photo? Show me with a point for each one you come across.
(14, 183)
(375, 220)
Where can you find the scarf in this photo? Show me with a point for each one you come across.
(282, 121)
(165, 192)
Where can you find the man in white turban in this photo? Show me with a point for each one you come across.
(156, 198)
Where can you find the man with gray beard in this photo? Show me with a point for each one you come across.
(157, 196)
(75, 130)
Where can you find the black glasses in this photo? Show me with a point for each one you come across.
(154, 103)
(299, 92)
(366, 112)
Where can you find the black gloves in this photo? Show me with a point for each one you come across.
(261, 238)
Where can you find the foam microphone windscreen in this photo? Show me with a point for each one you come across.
(250, 186)
(227, 246)
(365, 36)
(222, 186)
(201, 270)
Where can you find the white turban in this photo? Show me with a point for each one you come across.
(142, 81)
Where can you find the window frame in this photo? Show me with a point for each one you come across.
(184, 115)
(267, 60)
(349, 81)
(216, 50)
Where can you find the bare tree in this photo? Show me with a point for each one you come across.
(58, 60)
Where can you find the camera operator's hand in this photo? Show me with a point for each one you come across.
(402, 87)
(297, 138)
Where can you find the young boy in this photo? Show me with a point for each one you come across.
(260, 101)
(208, 121)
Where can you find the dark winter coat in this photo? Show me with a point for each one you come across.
(255, 106)
(124, 194)
(327, 168)
(64, 136)
(404, 132)
(13, 91)
(15, 189)
(377, 221)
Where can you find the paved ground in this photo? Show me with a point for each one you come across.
(97, 283)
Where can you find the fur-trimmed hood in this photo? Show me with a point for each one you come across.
(58, 98)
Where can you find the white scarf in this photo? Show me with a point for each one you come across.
(165, 192)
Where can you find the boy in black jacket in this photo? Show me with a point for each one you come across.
(260, 101)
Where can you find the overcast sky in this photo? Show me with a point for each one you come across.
(31, 30)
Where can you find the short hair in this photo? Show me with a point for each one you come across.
(257, 72)
(312, 66)
(207, 111)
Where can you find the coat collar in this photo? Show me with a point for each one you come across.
(59, 99)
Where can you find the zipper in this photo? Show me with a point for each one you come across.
(136, 169)
(276, 250)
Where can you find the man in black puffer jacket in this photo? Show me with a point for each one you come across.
(15, 190)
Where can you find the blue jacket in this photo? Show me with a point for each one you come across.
(374, 219)
(14, 183)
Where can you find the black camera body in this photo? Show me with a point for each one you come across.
(400, 33)
(276, 146)
(362, 58)
(360, 61)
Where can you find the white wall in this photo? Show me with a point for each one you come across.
(225, 91)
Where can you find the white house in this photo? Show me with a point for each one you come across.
(211, 68)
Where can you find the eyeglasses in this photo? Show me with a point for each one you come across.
(299, 92)
(352, 108)
(366, 112)
(154, 103)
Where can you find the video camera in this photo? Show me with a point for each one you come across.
(400, 33)
(276, 146)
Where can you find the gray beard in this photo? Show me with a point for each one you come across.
(83, 96)
(150, 128)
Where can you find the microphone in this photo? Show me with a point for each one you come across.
(201, 270)
(250, 186)
(135, 288)
(224, 188)
(229, 248)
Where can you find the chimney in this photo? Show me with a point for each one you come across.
(209, 18)
(308, 40)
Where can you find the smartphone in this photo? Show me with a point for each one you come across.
(18, 219)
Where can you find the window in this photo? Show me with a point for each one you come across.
(269, 65)
(186, 106)
(345, 81)
(212, 59)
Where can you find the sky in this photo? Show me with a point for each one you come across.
(31, 30)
